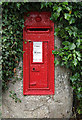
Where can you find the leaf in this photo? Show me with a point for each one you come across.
(78, 53)
(56, 62)
(61, 54)
(72, 46)
(74, 33)
(65, 3)
(67, 16)
(75, 62)
(55, 52)
(55, 7)
(57, 29)
(78, 42)
(76, 13)
(56, 15)
(59, 9)
(10, 96)
(55, 33)
(18, 5)
(10, 92)
(69, 9)
(74, 87)
(79, 111)
(66, 43)
(19, 100)
(42, 5)
(74, 77)
(72, 20)
(66, 48)
(79, 89)
(50, 4)
(70, 32)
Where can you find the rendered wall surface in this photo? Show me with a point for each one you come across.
(60, 106)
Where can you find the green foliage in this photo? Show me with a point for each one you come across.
(14, 96)
(11, 39)
(67, 16)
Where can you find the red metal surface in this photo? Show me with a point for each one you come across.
(38, 77)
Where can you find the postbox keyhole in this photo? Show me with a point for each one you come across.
(33, 69)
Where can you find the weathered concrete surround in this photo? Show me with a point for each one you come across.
(58, 106)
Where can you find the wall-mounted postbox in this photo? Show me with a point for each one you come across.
(38, 60)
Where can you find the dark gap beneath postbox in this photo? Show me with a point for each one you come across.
(38, 29)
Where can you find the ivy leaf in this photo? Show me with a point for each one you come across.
(78, 42)
(79, 89)
(55, 52)
(70, 32)
(61, 54)
(56, 15)
(66, 48)
(18, 5)
(72, 20)
(55, 7)
(74, 34)
(74, 77)
(66, 43)
(67, 16)
(59, 9)
(78, 53)
(79, 111)
(69, 9)
(79, 58)
(56, 62)
(76, 13)
(50, 4)
(46, 4)
(42, 5)
(72, 46)
(56, 31)
(65, 3)
(69, 56)
(75, 62)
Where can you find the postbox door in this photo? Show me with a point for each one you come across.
(38, 65)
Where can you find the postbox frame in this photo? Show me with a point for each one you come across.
(29, 35)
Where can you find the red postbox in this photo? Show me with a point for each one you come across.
(38, 60)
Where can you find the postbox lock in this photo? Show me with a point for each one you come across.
(33, 69)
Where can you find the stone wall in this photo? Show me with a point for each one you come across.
(47, 106)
